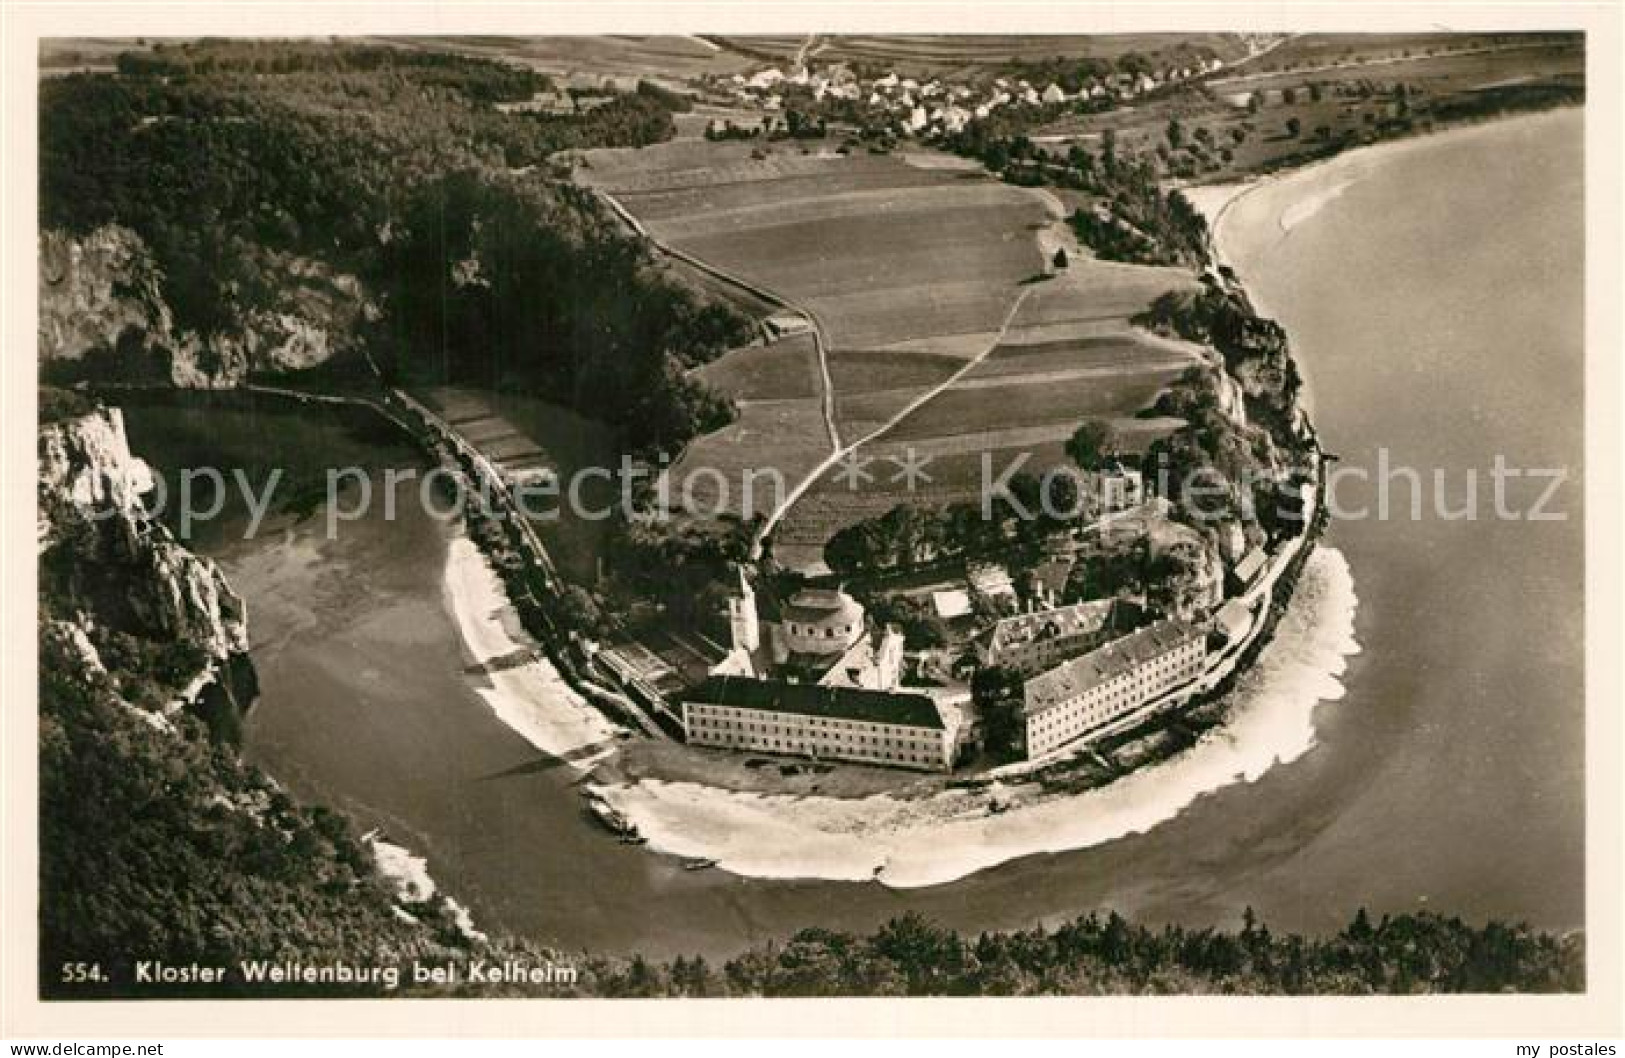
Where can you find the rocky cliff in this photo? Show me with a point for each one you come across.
(118, 593)
(102, 310)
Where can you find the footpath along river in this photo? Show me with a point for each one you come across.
(1435, 300)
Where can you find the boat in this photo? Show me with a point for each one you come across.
(610, 818)
(698, 864)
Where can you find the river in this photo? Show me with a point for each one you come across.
(1435, 301)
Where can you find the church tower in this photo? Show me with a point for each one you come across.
(743, 626)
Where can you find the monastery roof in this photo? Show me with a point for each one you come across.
(1072, 678)
(820, 606)
(809, 699)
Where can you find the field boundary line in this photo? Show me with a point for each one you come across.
(925, 398)
(820, 343)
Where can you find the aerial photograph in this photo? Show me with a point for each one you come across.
(817, 515)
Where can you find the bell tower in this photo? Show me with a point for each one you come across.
(743, 627)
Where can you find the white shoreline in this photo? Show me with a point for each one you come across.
(946, 837)
(413, 884)
(1214, 201)
(529, 696)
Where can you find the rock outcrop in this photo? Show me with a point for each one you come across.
(113, 578)
(102, 309)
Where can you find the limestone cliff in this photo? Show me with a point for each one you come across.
(102, 309)
(113, 581)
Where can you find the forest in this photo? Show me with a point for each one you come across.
(228, 158)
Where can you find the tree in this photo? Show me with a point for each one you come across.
(1062, 499)
(1176, 134)
(1293, 127)
(577, 609)
(1092, 444)
(997, 693)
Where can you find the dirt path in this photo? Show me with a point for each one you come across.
(842, 451)
(820, 343)
(838, 450)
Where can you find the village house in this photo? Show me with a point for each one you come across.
(951, 604)
(1077, 698)
(1233, 621)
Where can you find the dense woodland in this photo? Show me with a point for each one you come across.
(396, 166)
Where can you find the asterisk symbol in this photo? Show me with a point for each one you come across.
(853, 472)
(911, 468)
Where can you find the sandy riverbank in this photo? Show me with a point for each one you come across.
(942, 838)
(1324, 181)
(509, 671)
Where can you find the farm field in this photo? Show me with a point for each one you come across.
(917, 272)
(1069, 354)
(872, 385)
(581, 61)
(779, 394)
(1315, 51)
(879, 249)
(783, 370)
(928, 54)
(772, 439)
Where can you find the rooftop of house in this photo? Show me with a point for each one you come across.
(809, 699)
(1083, 618)
(1250, 564)
(1052, 574)
(863, 660)
(1072, 678)
(954, 602)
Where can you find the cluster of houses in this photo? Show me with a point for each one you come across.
(815, 680)
(938, 107)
